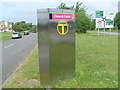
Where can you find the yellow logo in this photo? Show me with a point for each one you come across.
(62, 27)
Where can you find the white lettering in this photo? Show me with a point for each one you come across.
(66, 16)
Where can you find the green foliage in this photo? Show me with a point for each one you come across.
(23, 26)
(33, 28)
(92, 24)
(63, 6)
(82, 19)
(117, 20)
(5, 36)
(17, 27)
(82, 22)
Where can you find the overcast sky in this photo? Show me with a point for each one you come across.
(23, 10)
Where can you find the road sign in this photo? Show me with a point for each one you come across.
(104, 19)
(99, 14)
(109, 19)
(99, 23)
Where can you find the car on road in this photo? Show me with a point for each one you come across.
(26, 32)
(16, 35)
(34, 32)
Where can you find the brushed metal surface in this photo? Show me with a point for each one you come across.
(43, 50)
(62, 52)
(56, 52)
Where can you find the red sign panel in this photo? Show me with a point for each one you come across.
(58, 16)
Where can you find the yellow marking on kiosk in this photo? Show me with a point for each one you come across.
(62, 24)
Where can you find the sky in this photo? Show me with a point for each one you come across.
(24, 10)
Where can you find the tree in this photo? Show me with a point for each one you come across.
(22, 26)
(17, 28)
(27, 26)
(33, 28)
(117, 20)
(63, 6)
(82, 19)
(92, 24)
(22, 21)
(82, 22)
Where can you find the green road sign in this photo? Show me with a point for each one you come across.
(99, 14)
(109, 22)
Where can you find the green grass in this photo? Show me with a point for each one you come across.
(28, 75)
(96, 62)
(96, 65)
(6, 36)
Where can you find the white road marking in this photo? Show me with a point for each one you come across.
(17, 39)
(9, 45)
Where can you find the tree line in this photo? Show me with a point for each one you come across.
(84, 21)
(23, 26)
(117, 20)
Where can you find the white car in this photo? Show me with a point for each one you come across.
(16, 35)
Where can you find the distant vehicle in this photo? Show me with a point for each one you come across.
(33, 31)
(16, 35)
(26, 32)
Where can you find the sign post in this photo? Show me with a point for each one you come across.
(104, 20)
(56, 45)
(98, 32)
(110, 31)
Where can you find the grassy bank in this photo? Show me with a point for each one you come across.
(28, 74)
(7, 35)
(96, 65)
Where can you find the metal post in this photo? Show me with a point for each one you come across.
(104, 27)
(110, 31)
(98, 31)
(104, 19)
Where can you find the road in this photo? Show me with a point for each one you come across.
(112, 33)
(15, 51)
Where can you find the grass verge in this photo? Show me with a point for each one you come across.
(7, 35)
(28, 74)
(96, 65)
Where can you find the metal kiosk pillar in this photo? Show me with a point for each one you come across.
(56, 45)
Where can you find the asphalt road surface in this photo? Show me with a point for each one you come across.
(112, 33)
(15, 51)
